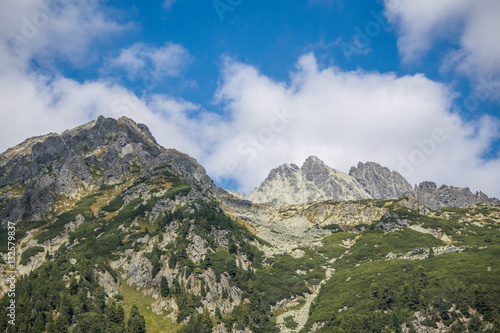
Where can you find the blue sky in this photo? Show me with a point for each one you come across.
(244, 86)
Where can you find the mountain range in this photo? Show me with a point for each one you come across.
(315, 181)
(114, 233)
(106, 151)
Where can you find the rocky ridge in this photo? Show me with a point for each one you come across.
(37, 172)
(449, 196)
(315, 181)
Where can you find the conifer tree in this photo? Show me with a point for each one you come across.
(231, 267)
(231, 246)
(218, 314)
(164, 289)
(206, 323)
(136, 322)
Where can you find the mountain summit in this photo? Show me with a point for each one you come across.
(106, 151)
(314, 181)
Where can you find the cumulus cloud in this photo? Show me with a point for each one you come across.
(469, 24)
(56, 29)
(37, 102)
(167, 60)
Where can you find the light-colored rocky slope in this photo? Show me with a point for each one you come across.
(314, 181)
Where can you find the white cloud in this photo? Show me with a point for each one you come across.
(472, 25)
(35, 104)
(167, 60)
(481, 41)
(55, 29)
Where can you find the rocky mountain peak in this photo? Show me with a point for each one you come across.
(105, 130)
(283, 171)
(313, 166)
(105, 139)
(87, 137)
(426, 187)
(380, 182)
(105, 151)
(314, 181)
(313, 161)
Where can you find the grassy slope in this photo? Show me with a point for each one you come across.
(154, 322)
(365, 264)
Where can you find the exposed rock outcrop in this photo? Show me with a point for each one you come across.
(449, 196)
(391, 222)
(380, 182)
(108, 283)
(106, 151)
(314, 181)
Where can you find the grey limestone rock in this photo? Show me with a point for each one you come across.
(380, 182)
(314, 181)
(449, 196)
(106, 280)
